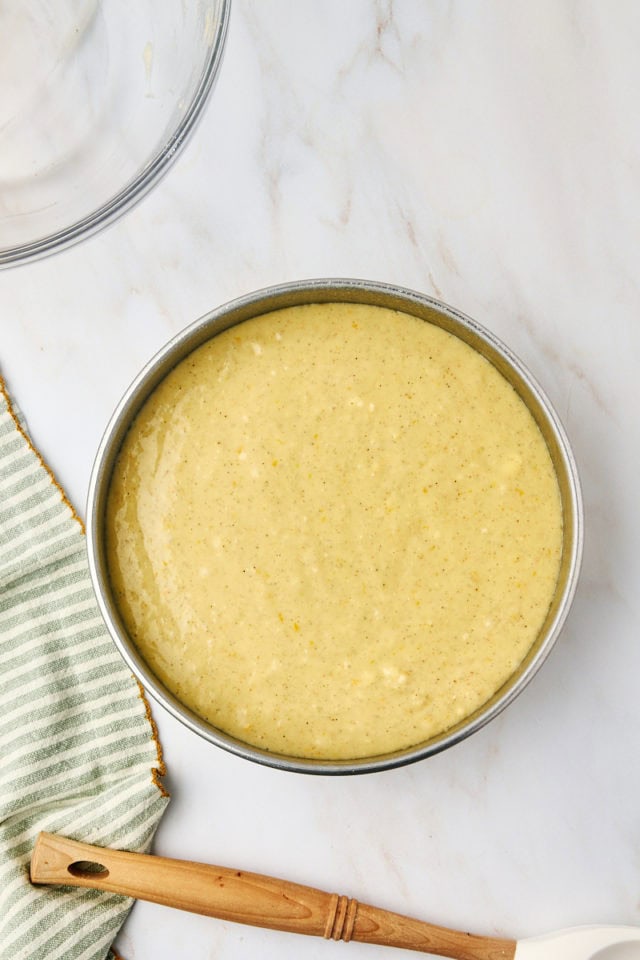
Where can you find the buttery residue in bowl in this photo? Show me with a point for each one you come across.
(334, 531)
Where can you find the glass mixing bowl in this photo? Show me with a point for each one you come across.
(96, 100)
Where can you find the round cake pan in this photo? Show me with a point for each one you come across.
(377, 294)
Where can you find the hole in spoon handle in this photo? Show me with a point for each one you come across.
(88, 869)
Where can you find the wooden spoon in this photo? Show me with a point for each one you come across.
(279, 905)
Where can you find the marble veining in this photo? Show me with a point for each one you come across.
(487, 154)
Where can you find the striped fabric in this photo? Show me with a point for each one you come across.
(78, 752)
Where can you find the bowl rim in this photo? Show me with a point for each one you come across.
(254, 304)
(137, 188)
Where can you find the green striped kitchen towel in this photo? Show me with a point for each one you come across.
(78, 750)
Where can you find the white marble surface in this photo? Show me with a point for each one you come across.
(487, 154)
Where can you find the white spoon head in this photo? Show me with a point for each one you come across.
(619, 951)
(583, 943)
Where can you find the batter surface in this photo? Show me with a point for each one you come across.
(334, 531)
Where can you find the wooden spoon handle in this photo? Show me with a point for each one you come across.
(249, 898)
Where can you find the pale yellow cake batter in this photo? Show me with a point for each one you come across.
(334, 531)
